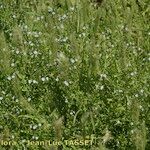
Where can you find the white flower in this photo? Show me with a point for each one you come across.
(29, 33)
(66, 100)
(23, 141)
(132, 123)
(141, 107)
(17, 100)
(72, 8)
(66, 83)
(132, 131)
(13, 76)
(50, 9)
(84, 28)
(12, 64)
(31, 126)
(29, 81)
(36, 138)
(3, 92)
(83, 34)
(9, 78)
(34, 81)
(35, 52)
(34, 127)
(97, 45)
(43, 79)
(39, 124)
(64, 16)
(38, 18)
(14, 16)
(12, 136)
(25, 26)
(17, 51)
(103, 75)
(134, 73)
(42, 17)
(80, 35)
(72, 60)
(1, 98)
(29, 99)
(57, 79)
(101, 87)
(120, 91)
(53, 13)
(65, 39)
(47, 78)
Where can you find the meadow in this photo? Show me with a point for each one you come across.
(74, 75)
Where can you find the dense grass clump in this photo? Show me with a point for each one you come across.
(74, 70)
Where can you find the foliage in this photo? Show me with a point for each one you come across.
(74, 70)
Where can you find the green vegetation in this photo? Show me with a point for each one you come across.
(71, 70)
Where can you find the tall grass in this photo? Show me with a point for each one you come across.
(72, 69)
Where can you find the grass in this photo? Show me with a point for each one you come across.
(71, 70)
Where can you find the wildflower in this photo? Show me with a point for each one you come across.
(72, 8)
(17, 100)
(34, 81)
(39, 124)
(101, 87)
(142, 91)
(132, 131)
(23, 141)
(103, 75)
(66, 100)
(35, 137)
(72, 60)
(53, 13)
(133, 73)
(84, 28)
(35, 52)
(17, 51)
(29, 81)
(50, 10)
(83, 34)
(64, 39)
(43, 79)
(34, 127)
(47, 78)
(120, 91)
(29, 99)
(13, 76)
(64, 16)
(42, 17)
(14, 16)
(9, 78)
(12, 64)
(31, 126)
(66, 83)
(12, 136)
(38, 18)
(3, 92)
(57, 79)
